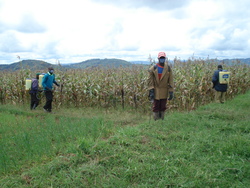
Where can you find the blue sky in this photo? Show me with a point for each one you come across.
(72, 31)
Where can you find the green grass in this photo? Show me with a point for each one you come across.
(208, 147)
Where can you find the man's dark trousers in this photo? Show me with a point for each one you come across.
(49, 99)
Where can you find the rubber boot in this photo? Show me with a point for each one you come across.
(34, 107)
(162, 113)
(156, 115)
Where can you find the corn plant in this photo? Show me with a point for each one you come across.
(127, 87)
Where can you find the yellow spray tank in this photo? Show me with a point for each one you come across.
(27, 84)
(224, 77)
(41, 79)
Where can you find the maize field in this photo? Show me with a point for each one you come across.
(127, 87)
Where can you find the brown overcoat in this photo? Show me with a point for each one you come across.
(163, 86)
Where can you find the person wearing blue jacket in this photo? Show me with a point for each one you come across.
(220, 89)
(47, 83)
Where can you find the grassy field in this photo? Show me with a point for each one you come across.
(87, 147)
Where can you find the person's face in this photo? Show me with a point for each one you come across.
(51, 71)
(162, 60)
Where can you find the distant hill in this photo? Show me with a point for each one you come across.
(141, 62)
(229, 61)
(38, 65)
(106, 63)
(34, 65)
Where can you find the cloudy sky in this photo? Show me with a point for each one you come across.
(72, 31)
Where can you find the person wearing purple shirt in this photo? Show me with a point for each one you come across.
(34, 101)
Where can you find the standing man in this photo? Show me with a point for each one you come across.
(220, 84)
(47, 83)
(160, 85)
(34, 101)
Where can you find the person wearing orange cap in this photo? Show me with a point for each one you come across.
(160, 86)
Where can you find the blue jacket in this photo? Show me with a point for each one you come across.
(216, 83)
(48, 81)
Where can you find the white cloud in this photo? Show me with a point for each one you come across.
(153, 4)
(77, 30)
(10, 43)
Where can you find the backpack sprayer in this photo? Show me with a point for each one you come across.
(28, 83)
(224, 77)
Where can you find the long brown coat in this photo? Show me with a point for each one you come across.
(163, 86)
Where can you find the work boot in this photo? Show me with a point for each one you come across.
(162, 113)
(34, 107)
(156, 115)
(46, 110)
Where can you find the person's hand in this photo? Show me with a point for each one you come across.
(171, 95)
(151, 95)
(214, 85)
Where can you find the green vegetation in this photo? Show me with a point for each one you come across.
(91, 147)
(103, 133)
